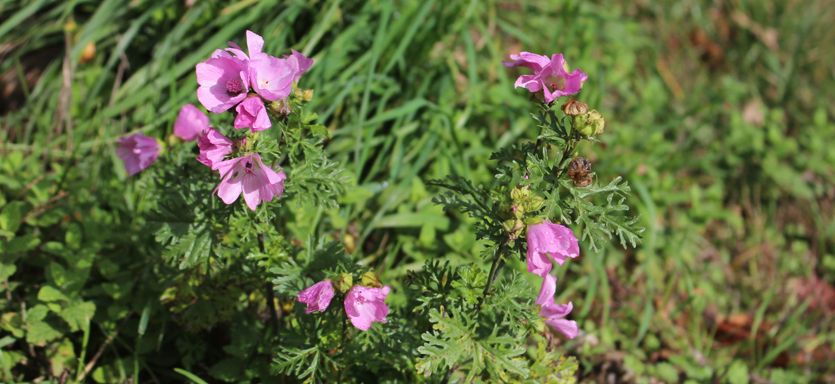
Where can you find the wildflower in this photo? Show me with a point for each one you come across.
(550, 76)
(271, 77)
(213, 147)
(548, 238)
(554, 314)
(138, 152)
(365, 305)
(223, 82)
(317, 297)
(190, 123)
(299, 63)
(249, 175)
(252, 113)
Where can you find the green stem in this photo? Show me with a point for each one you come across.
(342, 345)
(495, 269)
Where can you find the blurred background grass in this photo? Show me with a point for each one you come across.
(719, 113)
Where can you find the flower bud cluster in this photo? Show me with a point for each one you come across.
(520, 211)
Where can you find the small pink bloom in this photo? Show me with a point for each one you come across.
(223, 82)
(138, 152)
(271, 77)
(550, 76)
(190, 123)
(548, 238)
(365, 305)
(249, 175)
(299, 63)
(213, 147)
(554, 314)
(317, 297)
(252, 113)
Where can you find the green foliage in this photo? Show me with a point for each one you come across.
(455, 339)
(718, 114)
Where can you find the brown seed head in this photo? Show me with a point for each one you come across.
(574, 107)
(579, 170)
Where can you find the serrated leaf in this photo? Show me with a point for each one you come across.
(49, 294)
(78, 315)
(41, 333)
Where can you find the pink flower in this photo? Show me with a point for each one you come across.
(252, 113)
(554, 314)
(254, 43)
(550, 76)
(249, 175)
(190, 123)
(299, 63)
(138, 152)
(365, 305)
(548, 238)
(213, 147)
(223, 82)
(317, 297)
(271, 77)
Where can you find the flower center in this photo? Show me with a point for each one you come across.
(557, 83)
(234, 86)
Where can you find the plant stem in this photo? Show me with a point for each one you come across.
(495, 269)
(342, 346)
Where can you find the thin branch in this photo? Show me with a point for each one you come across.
(110, 338)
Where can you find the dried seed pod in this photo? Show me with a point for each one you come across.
(574, 107)
(584, 182)
(579, 170)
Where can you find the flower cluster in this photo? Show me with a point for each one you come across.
(364, 304)
(254, 86)
(546, 240)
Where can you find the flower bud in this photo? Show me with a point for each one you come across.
(307, 95)
(343, 282)
(520, 193)
(513, 227)
(281, 107)
(574, 107)
(589, 124)
(371, 280)
(89, 53)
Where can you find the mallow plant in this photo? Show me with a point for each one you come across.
(223, 207)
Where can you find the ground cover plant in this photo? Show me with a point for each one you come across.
(404, 179)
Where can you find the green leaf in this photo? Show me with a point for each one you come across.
(23, 243)
(308, 363)
(319, 129)
(36, 313)
(10, 217)
(737, 373)
(49, 294)
(6, 271)
(190, 376)
(41, 333)
(78, 315)
(229, 370)
(73, 237)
